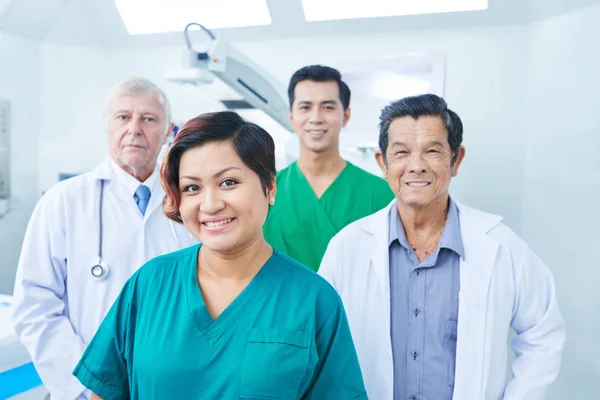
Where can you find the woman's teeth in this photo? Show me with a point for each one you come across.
(219, 223)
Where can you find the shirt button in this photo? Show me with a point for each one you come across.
(416, 311)
(413, 397)
(415, 354)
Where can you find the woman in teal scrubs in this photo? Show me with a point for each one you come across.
(231, 318)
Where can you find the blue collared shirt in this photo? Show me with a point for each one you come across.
(424, 312)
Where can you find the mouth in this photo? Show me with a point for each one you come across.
(417, 184)
(135, 146)
(218, 223)
(316, 132)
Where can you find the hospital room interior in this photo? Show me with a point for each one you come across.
(523, 75)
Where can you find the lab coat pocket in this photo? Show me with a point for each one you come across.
(450, 335)
(275, 363)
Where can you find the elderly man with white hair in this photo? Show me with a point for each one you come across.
(89, 234)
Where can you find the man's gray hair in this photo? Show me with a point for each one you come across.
(142, 86)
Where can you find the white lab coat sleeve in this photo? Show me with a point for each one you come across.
(329, 262)
(39, 301)
(540, 330)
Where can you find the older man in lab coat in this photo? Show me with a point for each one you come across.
(432, 287)
(112, 213)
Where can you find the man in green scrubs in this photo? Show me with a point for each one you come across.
(320, 193)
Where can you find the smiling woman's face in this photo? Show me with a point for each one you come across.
(223, 203)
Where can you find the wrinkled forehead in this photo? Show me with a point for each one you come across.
(422, 129)
(143, 102)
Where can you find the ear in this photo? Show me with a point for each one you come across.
(347, 114)
(171, 126)
(381, 162)
(459, 158)
(272, 191)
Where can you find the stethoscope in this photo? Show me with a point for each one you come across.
(100, 269)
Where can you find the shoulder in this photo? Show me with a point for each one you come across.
(350, 249)
(366, 175)
(371, 185)
(285, 173)
(69, 187)
(363, 227)
(59, 198)
(306, 282)
(507, 238)
(491, 225)
(167, 266)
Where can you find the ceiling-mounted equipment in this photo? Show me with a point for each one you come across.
(223, 61)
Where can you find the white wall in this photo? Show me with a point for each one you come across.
(19, 83)
(73, 82)
(561, 213)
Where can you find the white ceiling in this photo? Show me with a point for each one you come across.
(98, 23)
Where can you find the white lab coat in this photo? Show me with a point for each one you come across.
(503, 285)
(58, 305)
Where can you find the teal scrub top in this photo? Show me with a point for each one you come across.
(285, 336)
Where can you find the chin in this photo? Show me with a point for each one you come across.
(416, 203)
(320, 148)
(218, 246)
(135, 162)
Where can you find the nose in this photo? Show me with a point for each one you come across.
(417, 163)
(316, 116)
(211, 201)
(135, 126)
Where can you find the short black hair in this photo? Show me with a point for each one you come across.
(419, 106)
(253, 145)
(319, 73)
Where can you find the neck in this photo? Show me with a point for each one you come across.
(320, 164)
(238, 265)
(141, 174)
(424, 221)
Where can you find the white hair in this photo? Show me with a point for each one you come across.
(141, 86)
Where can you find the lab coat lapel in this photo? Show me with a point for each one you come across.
(475, 277)
(156, 199)
(379, 261)
(105, 172)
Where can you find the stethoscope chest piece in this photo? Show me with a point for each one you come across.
(99, 270)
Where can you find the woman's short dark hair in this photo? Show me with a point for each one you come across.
(253, 145)
(419, 106)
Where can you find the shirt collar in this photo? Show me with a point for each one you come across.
(451, 237)
(131, 184)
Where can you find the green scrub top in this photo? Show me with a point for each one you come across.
(301, 225)
(285, 336)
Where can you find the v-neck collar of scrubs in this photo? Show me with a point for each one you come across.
(213, 329)
(331, 189)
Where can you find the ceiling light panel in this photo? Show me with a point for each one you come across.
(161, 16)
